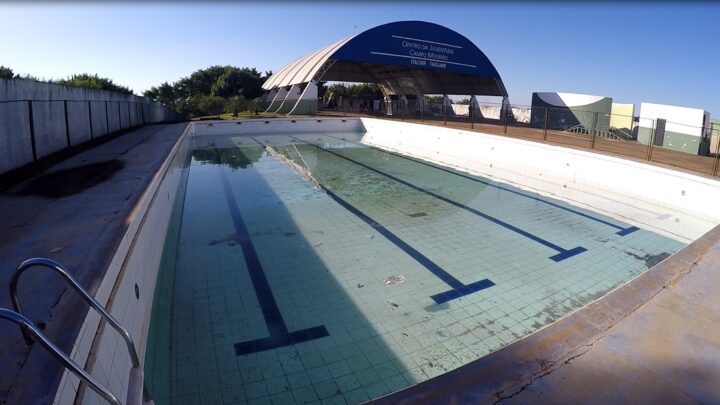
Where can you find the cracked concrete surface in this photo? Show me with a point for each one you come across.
(76, 213)
(654, 340)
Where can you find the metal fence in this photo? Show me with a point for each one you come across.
(693, 148)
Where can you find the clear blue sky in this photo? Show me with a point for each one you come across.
(638, 52)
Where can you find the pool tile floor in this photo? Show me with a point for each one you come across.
(326, 266)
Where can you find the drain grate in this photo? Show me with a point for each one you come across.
(417, 214)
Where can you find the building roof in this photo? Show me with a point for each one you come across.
(407, 56)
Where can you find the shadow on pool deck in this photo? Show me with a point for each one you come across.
(63, 183)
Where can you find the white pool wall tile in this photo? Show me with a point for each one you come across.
(638, 192)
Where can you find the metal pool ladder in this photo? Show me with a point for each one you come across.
(31, 332)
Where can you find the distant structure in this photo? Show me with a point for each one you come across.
(569, 111)
(621, 118)
(677, 128)
(407, 59)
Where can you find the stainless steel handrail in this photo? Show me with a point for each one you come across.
(29, 329)
(57, 267)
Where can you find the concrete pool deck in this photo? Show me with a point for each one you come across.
(75, 212)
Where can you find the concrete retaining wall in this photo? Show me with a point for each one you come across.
(90, 114)
(15, 144)
(78, 122)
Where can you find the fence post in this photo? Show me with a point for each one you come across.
(594, 130)
(717, 156)
(402, 111)
(505, 118)
(67, 124)
(651, 140)
(90, 119)
(119, 117)
(444, 112)
(472, 116)
(422, 112)
(32, 130)
(545, 124)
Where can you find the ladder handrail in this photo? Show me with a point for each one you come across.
(29, 328)
(60, 269)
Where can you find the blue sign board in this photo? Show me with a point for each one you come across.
(417, 44)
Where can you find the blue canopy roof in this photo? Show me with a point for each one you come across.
(425, 57)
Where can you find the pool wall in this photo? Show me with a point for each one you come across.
(286, 125)
(635, 192)
(566, 173)
(127, 289)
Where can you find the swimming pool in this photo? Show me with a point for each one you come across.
(313, 268)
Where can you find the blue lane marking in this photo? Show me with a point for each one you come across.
(622, 231)
(279, 334)
(458, 288)
(562, 252)
(463, 291)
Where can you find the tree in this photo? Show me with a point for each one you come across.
(165, 94)
(197, 94)
(235, 104)
(210, 105)
(6, 73)
(92, 82)
(235, 81)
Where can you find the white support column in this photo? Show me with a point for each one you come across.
(474, 107)
(505, 109)
(266, 99)
(307, 103)
(422, 103)
(290, 99)
(277, 100)
(447, 105)
(388, 105)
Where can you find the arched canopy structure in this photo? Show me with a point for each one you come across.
(405, 57)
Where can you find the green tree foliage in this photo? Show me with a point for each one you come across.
(434, 99)
(82, 80)
(6, 73)
(92, 82)
(357, 90)
(213, 105)
(235, 104)
(198, 93)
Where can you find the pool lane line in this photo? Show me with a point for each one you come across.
(279, 334)
(622, 231)
(560, 256)
(458, 288)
